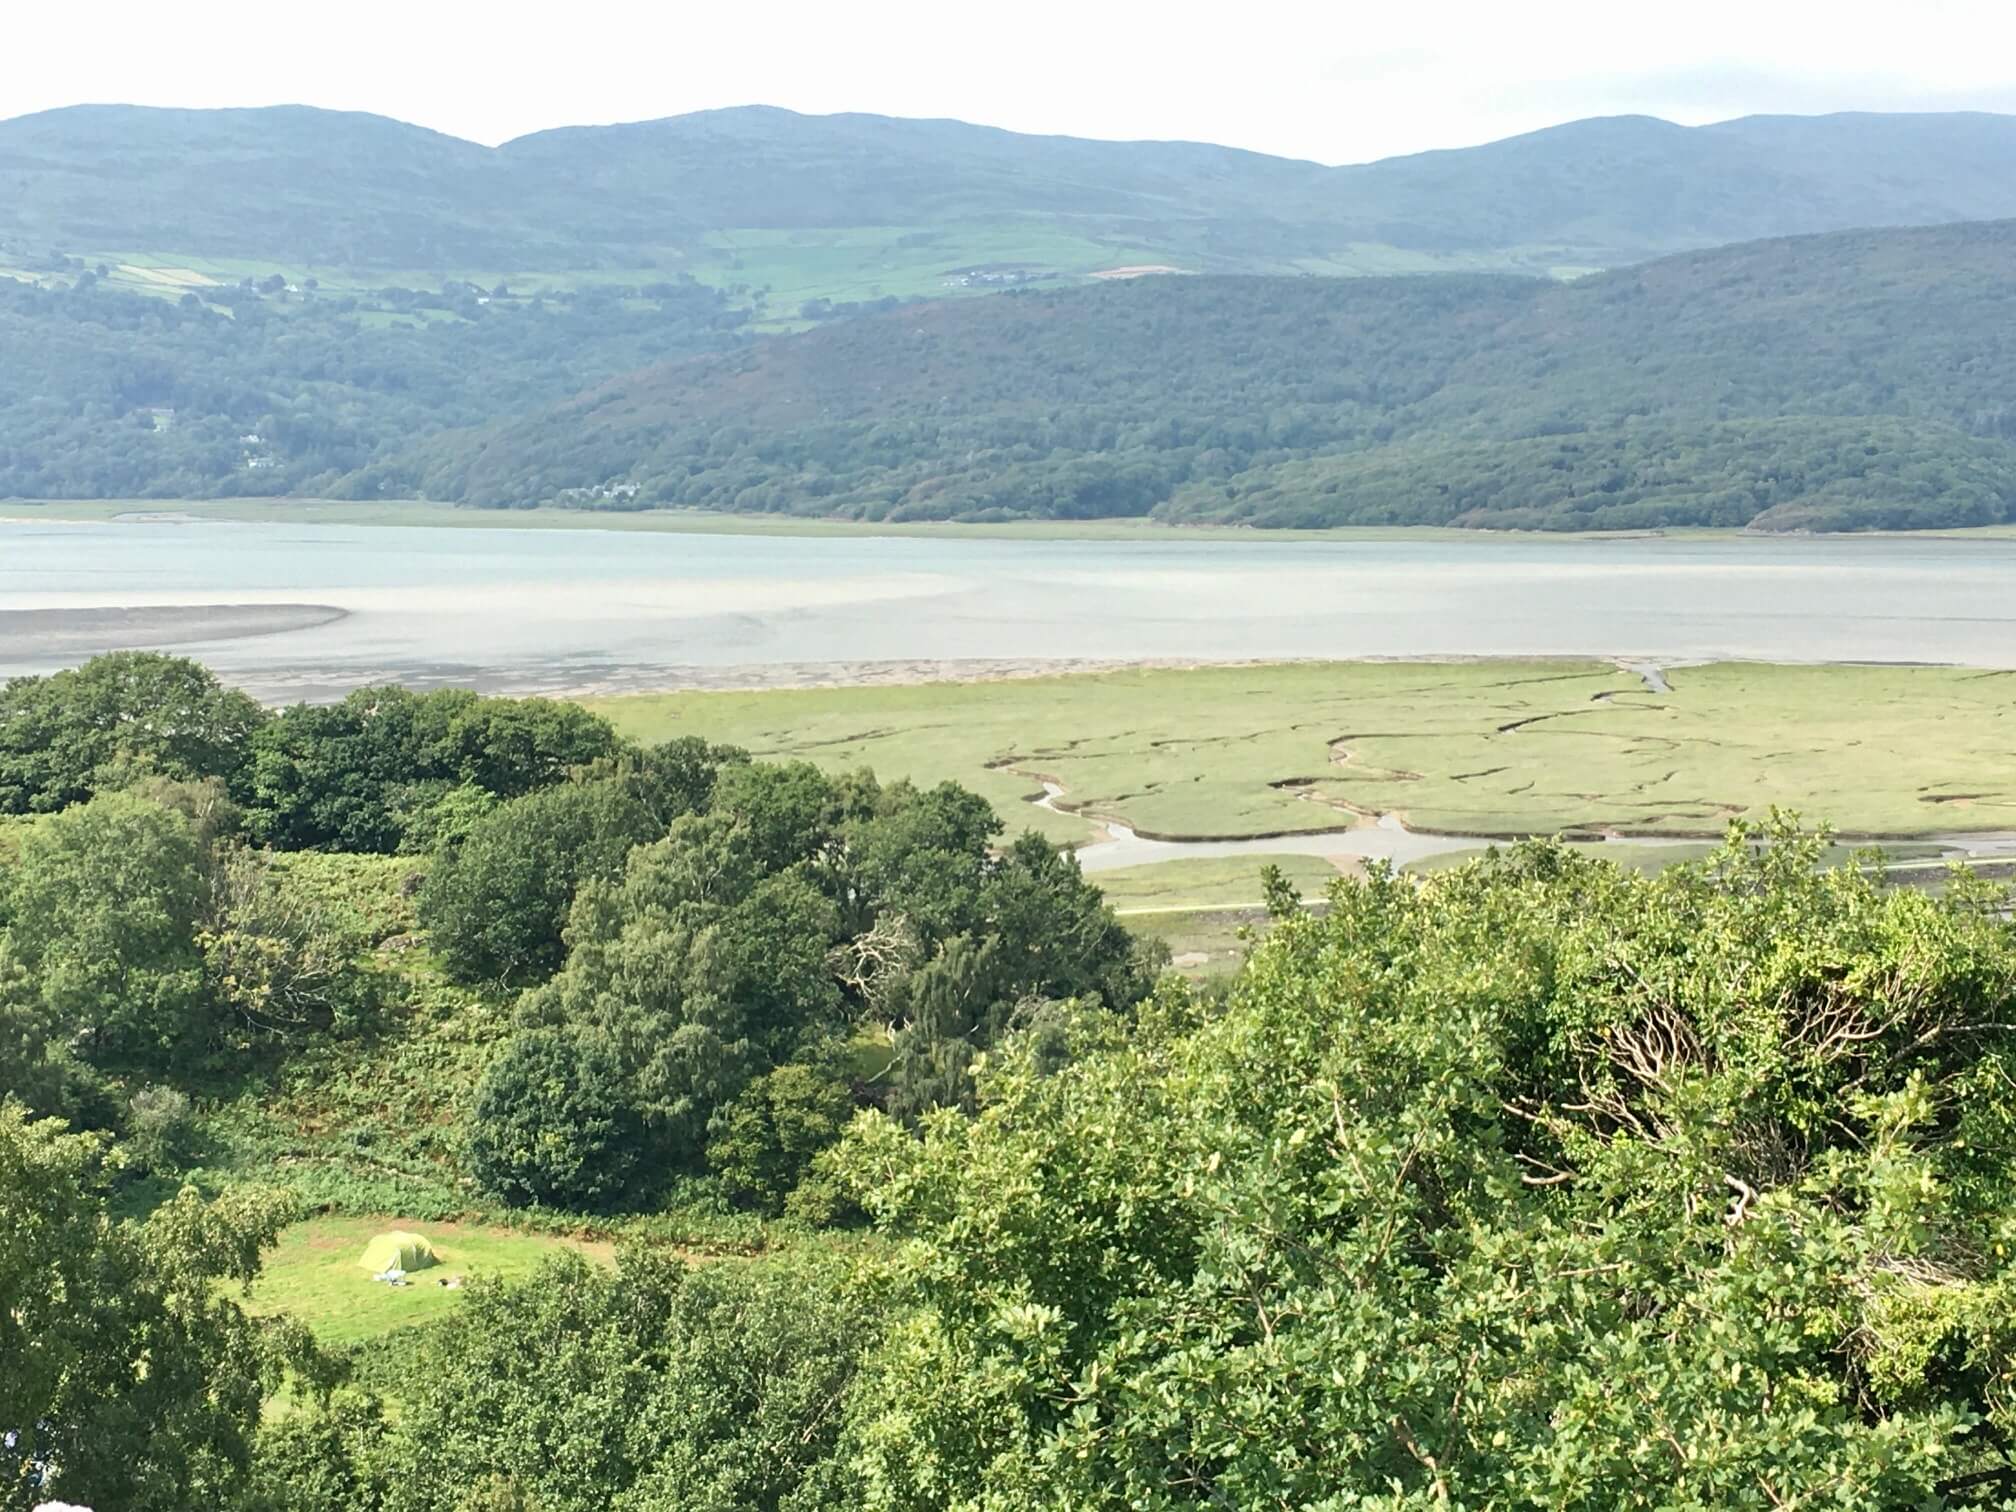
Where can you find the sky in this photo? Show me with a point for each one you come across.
(1338, 81)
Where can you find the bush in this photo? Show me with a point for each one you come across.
(496, 903)
(553, 1122)
(767, 1138)
(158, 1127)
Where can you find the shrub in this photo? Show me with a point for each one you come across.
(158, 1127)
(767, 1138)
(553, 1122)
(496, 903)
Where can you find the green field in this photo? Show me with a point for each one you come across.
(313, 1274)
(773, 271)
(1489, 748)
(1215, 882)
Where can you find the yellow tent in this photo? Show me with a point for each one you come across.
(398, 1251)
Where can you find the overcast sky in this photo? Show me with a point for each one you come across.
(1336, 80)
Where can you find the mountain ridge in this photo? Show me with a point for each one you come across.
(300, 186)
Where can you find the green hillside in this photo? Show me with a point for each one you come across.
(850, 208)
(1851, 381)
(107, 393)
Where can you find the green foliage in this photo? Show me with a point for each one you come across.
(105, 902)
(1535, 1184)
(495, 902)
(374, 1124)
(38, 1066)
(367, 773)
(552, 1121)
(116, 718)
(768, 1137)
(158, 1127)
(497, 897)
(374, 896)
(279, 959)
(132, 1381)
(655, 1387)
(700, 971)
(759, 932)
(1700, 390)
(113, 394)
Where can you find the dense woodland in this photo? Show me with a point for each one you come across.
(1848, 382)
(263, 390)
(1841, 382)
(1532, 1184)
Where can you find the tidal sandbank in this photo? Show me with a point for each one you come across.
(28, 635)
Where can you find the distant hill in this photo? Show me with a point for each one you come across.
(786, 210)
(1857, 380)
(107, 393)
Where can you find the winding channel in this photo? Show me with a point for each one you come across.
(1388, 838)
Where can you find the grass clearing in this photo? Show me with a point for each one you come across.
(1210, 882)
(1486, 747)
(1205, 944)
(313, 1273)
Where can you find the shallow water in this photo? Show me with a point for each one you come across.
(556, 610)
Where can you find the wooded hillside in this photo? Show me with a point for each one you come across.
(1851, 381)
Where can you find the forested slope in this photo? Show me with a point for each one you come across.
(108, 394)
(1849, 381)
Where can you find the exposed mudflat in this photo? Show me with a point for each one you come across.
(583, 610)
(36, 634)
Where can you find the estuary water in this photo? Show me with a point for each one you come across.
(308, 610)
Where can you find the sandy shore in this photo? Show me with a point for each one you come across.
(35, 634)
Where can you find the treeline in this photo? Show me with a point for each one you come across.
(257, 390)
(1534, 1184)
(1835, 382)
(690, 940)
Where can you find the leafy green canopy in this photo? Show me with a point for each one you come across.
(117, 717)
(653, 1389)
(1538, 1184)
(496, 898)
(380, 770)
(105, 902)
(139, 937)
(383, 770)
(763, 931)
(131, 1379)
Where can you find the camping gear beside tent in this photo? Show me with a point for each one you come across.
(398, 1251)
